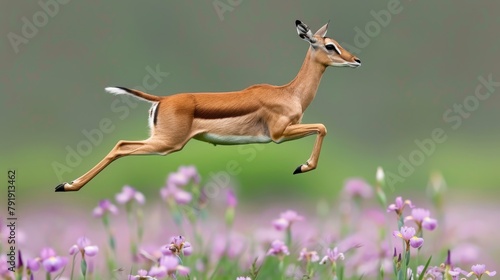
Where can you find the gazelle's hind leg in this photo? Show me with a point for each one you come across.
(121, 149)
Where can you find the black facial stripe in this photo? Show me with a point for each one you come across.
(332, 47)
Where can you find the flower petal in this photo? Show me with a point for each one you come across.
(158, 271)
(416, 242)
(91, 250)
(490, 273)
(73, 250)
(139, 197)
(429, 224)
(281, 224)
(182, 270)
(324, 260)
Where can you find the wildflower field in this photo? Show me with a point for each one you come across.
(189, 231)
(424, 106)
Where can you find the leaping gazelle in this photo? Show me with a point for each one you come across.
(258, 114)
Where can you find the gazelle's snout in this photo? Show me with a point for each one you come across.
(356, 63)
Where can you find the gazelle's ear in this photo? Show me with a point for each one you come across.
(322, 31)
(304, 32)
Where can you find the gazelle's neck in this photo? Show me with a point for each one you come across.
(306, 83)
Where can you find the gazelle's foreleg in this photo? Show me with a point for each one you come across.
(121, 149)
(296, 131)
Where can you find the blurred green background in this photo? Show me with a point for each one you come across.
(416, 66)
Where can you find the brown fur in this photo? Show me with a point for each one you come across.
(259, 112)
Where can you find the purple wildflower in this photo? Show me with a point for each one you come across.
(5, 273)
(308, 256)
(280, 224)
(422, 219)
(231, 199)
(408, 235)
(399, 205)
(128, 194)
(141, 275)
(243, 278)
(479, 269)
(83, 246)
(332, 256)
(105, 206)
(178, 245)
(455, 273)
(33, 264)
(176, 181)
(53, 264)
(158, 271)
(286, 220)
(278, 248)
(46, 253)
(357, 188)
(169, 265)
(432, 272)
(183, 176)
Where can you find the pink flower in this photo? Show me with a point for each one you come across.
(308, 256)
(178, 245)
(105, 206)
(47, 252)
(286, 220)
(169, 265)
(422, 219)
(243, 278)
(356, 187)
(5, 273)
(231, 199)
(479, 269)
(176, 181)
(53, 264)
(278, 248)
(183, 176)
(455, 273)
(33, 264)
(141, 275)
(280, 224)
(128, 194)
(332, 256)
(399, 205)
(83, 246)
(408, 235)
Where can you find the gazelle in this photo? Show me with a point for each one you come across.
(258, 114)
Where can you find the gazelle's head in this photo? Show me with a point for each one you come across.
(326, 50)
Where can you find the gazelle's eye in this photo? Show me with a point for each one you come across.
(332, 47)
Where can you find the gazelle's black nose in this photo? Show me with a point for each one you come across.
(357, 60)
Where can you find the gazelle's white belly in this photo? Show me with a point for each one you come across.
(232, 139)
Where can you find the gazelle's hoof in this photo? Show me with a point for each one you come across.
(60, 187)
(298, 170)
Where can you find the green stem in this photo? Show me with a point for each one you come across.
(289, 236)
(281, 268)
(83, 267)
(72, 267)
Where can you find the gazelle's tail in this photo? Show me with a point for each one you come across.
(134, 92)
